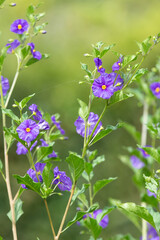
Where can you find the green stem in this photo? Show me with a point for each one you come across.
(13, 83)
(7, 176)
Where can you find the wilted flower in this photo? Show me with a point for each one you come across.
(28, 130)
(13, 45)
(98, 63)
(5, 85)
(19, 26)
(33, 174)
(91, 122)
(155, 88)
(57, 124)
(35, 53)
(37, 115)
(63, 181)
(136, 162)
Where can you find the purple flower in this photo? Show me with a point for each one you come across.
(37, 115)
(104, 222)
(5, 85)
(149, 193)
(57, 124)
(118, 84)
(13, 45)
(144, 153)
(43, 125)
(52, 155)
(103, 86)
(151, 233)
(21, 149)
(91, 122)
(63, 181)
(33, 174)
(116, 66)
(136, 162)
(19, 26)
(28, 130)
(35, 53)
(155, 88)
(98, 63)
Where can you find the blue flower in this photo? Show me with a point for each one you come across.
(35, 53)
(13, 45)
(5, 85)
(63, 181)
(19, 26)
(37, 115)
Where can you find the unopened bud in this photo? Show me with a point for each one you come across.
(43, 31)
(12, 4)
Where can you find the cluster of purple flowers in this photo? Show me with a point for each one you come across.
(20, 26)
(136, 162)
(106, 84)
(63, 182)
(5, 85)
(103, 223)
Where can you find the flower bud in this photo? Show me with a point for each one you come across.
(12, 4)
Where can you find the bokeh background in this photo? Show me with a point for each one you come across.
(73, 25)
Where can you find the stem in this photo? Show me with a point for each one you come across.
(13, 83)
(50, 220)
(8, 185)
(65, 213)
(143, 143)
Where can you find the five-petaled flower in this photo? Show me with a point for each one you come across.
(13, 45)
(98, 63)
(136, 162)
(5, 85)
(90, 124)
(37, 115)
(35, 54)
(155, 88)
(28, 130)
(39, 167)
(62, 180)
(19, 26)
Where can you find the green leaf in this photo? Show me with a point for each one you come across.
(93, 226)
(88, 168)
(76, 165)
(137, 210)
(1, 238)
(25, 51)
(1, 2)
(106, 49)
(10, 114)
(105, 211)
(123, 237)
(128, 59)
(79, 216)
(156, 218)
(18, 210)
(100, 184)
(133, 218)
(145, 46)
(1, 165)
(105, 132)
(134, 133)
(91, 154)
(151, 184)
(48, 175)
(34, 186)
(98, 160)
(83, 110)
(34, 60)
(79, 191)
(9, 137)
(83, 199)
(3, 56)
(139, 74)
(119, 96)
(23, 103)
(43, 152)
(85, 68)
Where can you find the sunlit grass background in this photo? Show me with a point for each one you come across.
(73, 25)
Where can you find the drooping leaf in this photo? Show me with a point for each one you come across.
(76, 165)
(100, 184)
(18, 210)
(30, 184)
(105, 132)
(79, 216)
(79, 191)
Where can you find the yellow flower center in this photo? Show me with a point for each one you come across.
(119, 64)
(104, 87)
(157, 90)
(12, 51)
(28, 129)
(34, 50)
(34, 113)
(100, 67)
(19, 26)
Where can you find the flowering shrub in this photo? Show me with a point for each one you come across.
(35, 133)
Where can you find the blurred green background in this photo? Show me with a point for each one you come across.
(73, 26)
